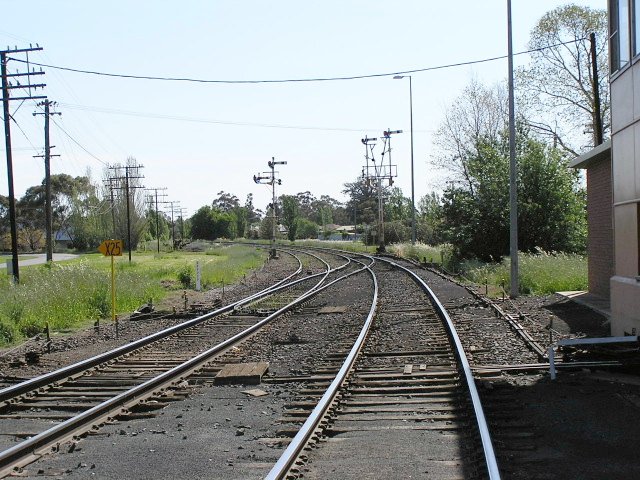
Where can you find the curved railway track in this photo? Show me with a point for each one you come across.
(398, 390)
(404, 402)
(89, 392)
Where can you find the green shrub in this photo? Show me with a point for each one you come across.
(186, 276)
(100, 302)
(7, 333)
(30, 327)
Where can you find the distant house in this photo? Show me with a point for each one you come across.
(339, 232)
(62, 239)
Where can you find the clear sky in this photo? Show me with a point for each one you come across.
(196, 139)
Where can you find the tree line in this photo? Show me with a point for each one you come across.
(85, 213)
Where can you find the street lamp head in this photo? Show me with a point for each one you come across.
(398, 77)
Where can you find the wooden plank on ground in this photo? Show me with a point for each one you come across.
(241, 373)
(341, 309)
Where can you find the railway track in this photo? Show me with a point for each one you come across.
(403, 403)
(90, 392)
(401, 408)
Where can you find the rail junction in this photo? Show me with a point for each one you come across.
(345, 366)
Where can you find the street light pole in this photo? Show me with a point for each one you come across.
(513, 176)
(413, 195)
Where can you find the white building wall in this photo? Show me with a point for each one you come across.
(625, 121)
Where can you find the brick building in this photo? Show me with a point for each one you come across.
(600, 248)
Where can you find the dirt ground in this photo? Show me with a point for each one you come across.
(583, 425)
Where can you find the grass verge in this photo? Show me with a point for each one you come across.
(75, 293)
(540, 273)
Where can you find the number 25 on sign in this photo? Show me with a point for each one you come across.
(112, 248)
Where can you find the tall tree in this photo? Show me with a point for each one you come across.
(202, 224)
(225, 202)
(429, 219)
(306, 228)
(558, 83)
(73, 199)
(551, 207)
(397, 206)
(253, 215)
(478, 114)
(5, 241)
(363, 201)
(209, 224)
(290, 215)
(307, 202)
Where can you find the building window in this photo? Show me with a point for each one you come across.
(619, 35)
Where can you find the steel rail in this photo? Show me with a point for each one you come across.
(287, 459)
(324, 274)
(293, 450)
(483, 428)
(21, 452)
(70, 370)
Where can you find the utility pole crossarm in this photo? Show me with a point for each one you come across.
(127, 188)
(6, 99)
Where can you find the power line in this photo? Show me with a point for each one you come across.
(78, 143)
(35, 149)
(160, 116)
(295, 80)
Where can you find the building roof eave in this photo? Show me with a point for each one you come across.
(585, 160)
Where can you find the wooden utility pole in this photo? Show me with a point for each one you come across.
(156, 190)
(110, 184)
(182, 211)
(47, 176)
(127, 188)
(597, 126)
(6, 87)
(174, 206)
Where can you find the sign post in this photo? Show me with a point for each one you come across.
(112, 248)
